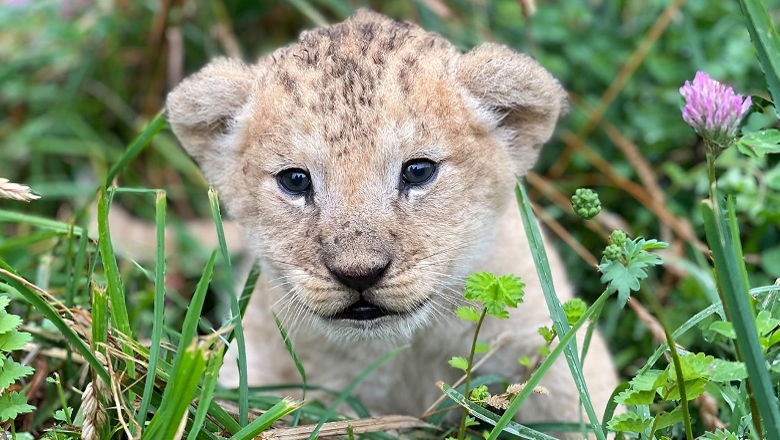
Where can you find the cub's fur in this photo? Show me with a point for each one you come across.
(350, 104)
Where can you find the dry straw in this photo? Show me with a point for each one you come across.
(94, 413)
(14, 191)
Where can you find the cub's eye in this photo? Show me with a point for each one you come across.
(418, 172)
(295, 181)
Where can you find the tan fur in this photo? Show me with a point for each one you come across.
(351, 103)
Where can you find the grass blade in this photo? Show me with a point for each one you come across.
(554, 305)
(767, 44)
(209, 383)
(260, 424)
(737, 300)
(115, 287)
(249, 288)
(491, 418)
(537, 376)
(99, 318)
(40, 222)
(151, 129)
(179, 392)
(348, 390)
(190, 326)
(235, 310)
(296, 360)
(159, 307)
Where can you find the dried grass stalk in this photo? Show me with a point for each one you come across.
(14, 191)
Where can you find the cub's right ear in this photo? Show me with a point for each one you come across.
(205, 105)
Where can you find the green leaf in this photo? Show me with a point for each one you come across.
(512, 289)
(622, 279)
(670, 418)
(629, 422)
(459, 363)
(12, 404)
(765, 323)
(524, 361)
(726, 371)
(766, 41)
(60, 415)
(14, 340)
(494, 293)
(642, 388)
(695, 366)
(633, 396)
(693, 389)
(477, 284)
(574, 308)
(720, 434)
(759, 143)
(479, 393)
(468, 313)
(724, 328)
(11, 371)
(547, 333)
(8, 321)
(481, 347)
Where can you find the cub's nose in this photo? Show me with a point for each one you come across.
(362, 277)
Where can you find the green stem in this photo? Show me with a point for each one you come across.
(656, 307)
(680, 383)
(462, 428)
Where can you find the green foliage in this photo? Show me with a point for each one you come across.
(479, 393)
(459, 362)
(495, 293)
(759, 143)
(574, 309)
(12, 403)
(623, 274)
(585, 203)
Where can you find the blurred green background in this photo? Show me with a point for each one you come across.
(80, 78)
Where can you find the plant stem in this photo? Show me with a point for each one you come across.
(462, 428)
(653, 302)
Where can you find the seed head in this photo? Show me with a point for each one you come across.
(613, 252)
(618, 237)
(585, 203)
(713, 110)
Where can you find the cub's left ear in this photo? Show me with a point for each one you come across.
(522, 95)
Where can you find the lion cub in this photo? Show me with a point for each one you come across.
(371, 166)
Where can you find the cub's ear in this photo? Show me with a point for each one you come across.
(205, 105)
(525, 100)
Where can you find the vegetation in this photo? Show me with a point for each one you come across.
(81, 86)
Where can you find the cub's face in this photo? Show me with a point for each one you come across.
(367, 165)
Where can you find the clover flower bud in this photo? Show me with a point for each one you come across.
(713, 110)
(585, 203)
(613, 252)
(618, 237)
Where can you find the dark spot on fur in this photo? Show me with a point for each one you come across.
(336, 241)
(358, 233)
(245, 168)
(346, 224)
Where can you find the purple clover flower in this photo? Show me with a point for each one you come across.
(713, 110)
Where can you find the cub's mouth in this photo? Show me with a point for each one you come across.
(363, 310)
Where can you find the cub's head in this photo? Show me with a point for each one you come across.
(368, 164)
